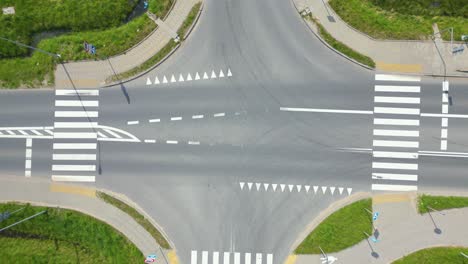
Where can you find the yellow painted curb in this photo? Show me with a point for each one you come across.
(90, 192)
(406, 68)
(291, 259)
(172, 256)
(391, 198)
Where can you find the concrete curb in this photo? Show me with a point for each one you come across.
(195, 22)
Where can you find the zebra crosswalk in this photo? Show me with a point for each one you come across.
(396, 133)
(75, 135)
(217, 257)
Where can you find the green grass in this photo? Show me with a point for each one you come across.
(440, 202)
(398, 19)
(341, 47)
(160, 7)
(139, 218)
(147, 64)
(62, 236)
(342, 229)
(436, 255)
(189, 20)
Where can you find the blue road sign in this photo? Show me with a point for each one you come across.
(93, 49)
(4, 216)
(145, 4)
(376, 215)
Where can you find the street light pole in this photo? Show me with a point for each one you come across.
(30, 47)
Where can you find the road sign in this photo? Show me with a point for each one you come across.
(4, 216)
(375, 216)
(145, 4)
(93, 49)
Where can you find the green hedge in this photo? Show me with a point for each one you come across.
(436, 255)
(440, 202)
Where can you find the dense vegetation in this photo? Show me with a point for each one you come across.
(62, 236)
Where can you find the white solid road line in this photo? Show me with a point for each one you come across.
(74, 167)
(75, 124)
(443, 115)
(177, 118)
(236, 258)
(316, 110)
(215, 257)
(397, 100)
(270, 259)
(396, 110)
(394, 166)
(172, 142)
(396, 122)
(77, 103)
(194, 142)
(193, 257)
(76, 114)
(226, 258)
(396, 144)
(133, 122)
(248, 258)
(73, 178)
(401, 78)
(397, 89)
(155, 120)
(390, 187)
(112, 133)
(219, 114)
(74, 156)
(75, 135)
(75, 146)
(395, 176)
(395, 155)
(197, 116)
(204, 257)
(150, 141)
(77, 92)
(258, 258)
(396, 133)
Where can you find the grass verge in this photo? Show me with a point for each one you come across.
(435, 256)
(189, 21)
(62, 236)
(341, 47)
(139, 218)
(389, 21)
(145, 65)
(440, 202)
(342, 229)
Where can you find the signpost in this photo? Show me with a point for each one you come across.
(93, 49)
(376, 215)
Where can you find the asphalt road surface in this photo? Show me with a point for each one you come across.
(218, 164)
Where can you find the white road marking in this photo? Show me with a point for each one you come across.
(197, 77)
(76, 103)
(444, 109)
(172, 142)
(112, 133)
(194, 142)
(205, 76)
(101, 135)
(443, 145)
(395, 176)
(34, 131)
(229, 73)
(391, 187)
(73, 178)
(299, 188)
(204, 257)
(213, 75)
(274, 185)
(150, 141)
(154, 120)
(340, 189)
(249, 184)
(315, 189)
(443, 133)
(73, 156)
(290, 186)
(193, 257)
(181, 78)
(133, 122)
(197, 116)
(307, 187)
(248, 258)
(324, 189)
(394, 166)
(10, 132)
(156, 80)
(74, 167)
(236, 258)
(23, 133)
(396, 110)
(332, 189)
(177, 118)
(74, 145)
(396, 122)
(396, 133)
(28, 142)
(221, 74)
(443, 115)
(266, 185)
(282, 186)
(77, 92)
(148, 81)
(397, 100)
(226, 258)
(165, 79)
(219, 114)
(75, 135)
(75, 124)
(395, 155)
(270, 259)
(27, 173)
(257, 185)
(396, 144)
(189, 77)
(445, 98)
(445, 86)
(401, 78)
(316, 110)
(76, 114)
(242, 185)
(349, 190)
(173, 80)
(49, 132)
(215, 257)
(444, 122)
(28, 164)
(258, 258)
(397, 89)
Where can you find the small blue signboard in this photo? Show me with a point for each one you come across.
(376, 215)
(145, 4)
(93, 49)
(4, 216)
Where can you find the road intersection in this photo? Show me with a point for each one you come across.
(293, 114)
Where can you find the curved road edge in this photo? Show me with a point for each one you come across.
(80, 198)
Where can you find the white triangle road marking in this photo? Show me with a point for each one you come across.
(340, 189)
(213, 75)
(148, 81)
(282, 187)
(324, 189)
(229, 74)
(156, 80)
(290, 187)
(274, 186)
(266, 186)
(181, 78)
(332, 190)
(205, 76)
(249, 184)
(315, 189)
(242, 185)
(164, 79)
(221, 74)
(258, 186)
(173, 80)
(298, 187)
(307, 187)
(197, 77)
(189, 77)
(349, 190)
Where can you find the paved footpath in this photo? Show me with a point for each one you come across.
(420, 57)
(91, 74)
(402, 231)
(43, 192)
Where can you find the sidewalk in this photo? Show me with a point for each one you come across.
(43, 192)
(402, 231)
(419, 57)
(92, 74)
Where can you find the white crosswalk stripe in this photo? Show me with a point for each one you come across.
(385, 158)
(75, 134)
(237, 257)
